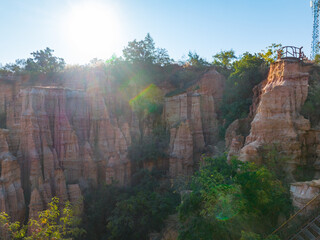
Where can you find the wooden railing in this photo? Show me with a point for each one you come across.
(294, 217)
(292, 52)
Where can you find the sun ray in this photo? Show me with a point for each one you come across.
(92, 30)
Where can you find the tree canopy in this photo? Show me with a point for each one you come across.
(270, 55)
(196, 61)
(44, 61)
(52, 223)
(227, 199)
(144, 51)
(224, 58)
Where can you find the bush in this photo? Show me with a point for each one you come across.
(227, 199)
(52, 224)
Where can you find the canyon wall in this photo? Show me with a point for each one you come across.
(192, 120)
(64, 138)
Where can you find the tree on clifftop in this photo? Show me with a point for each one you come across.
(271, 54)
(43, 61)
(145, 51)
(224, 59)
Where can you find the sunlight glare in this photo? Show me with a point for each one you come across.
(92, 30)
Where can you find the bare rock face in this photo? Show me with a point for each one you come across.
(181, 160)
(62, 141)
(210, 88)
(235, 136)
(9, 88)
(191, 117)
(64, 137)
(109, 139)
(303, 192)
(240, 128)
(11, 193)
(75, 197)
(277, 118)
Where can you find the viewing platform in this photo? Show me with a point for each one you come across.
(291, 53)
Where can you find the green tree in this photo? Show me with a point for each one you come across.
(144, 51)
(271, 53)
(117, 212)
(249, 71)
(16, 67)
(224, 59)
(227, 199)
(317, 58)
(196, 61)
(51, 224)
(144, 211)
(44, 61)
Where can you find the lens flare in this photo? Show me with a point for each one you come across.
(226, 207)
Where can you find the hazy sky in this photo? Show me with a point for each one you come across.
(80, 30)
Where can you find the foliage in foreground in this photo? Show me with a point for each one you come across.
(53, 223)
(228, 199)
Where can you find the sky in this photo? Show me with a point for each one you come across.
(80, 30)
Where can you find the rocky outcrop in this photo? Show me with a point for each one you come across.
(191, 118)
(62, 138)
(10, 86)
(277, 118)
(181, 148)
(68, 134)
(11, 193)
(303, 193)
(237, 131)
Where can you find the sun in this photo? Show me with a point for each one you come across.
(92, 30)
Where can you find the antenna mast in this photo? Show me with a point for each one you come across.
(314, 4)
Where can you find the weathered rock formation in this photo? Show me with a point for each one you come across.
(61, 138)
(303, 193)
(191, 117)
(11, 193)
(277, 118)
(240, 128)
(68, 135)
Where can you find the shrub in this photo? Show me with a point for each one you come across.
(227, 199)
(52, 224)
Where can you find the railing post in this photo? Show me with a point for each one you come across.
(291, 52)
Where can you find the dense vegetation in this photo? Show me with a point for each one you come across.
(223, 201)
(113, 212)
(228, 199)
